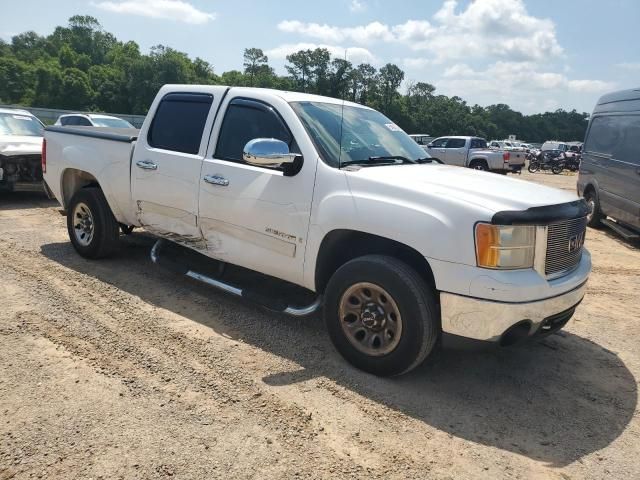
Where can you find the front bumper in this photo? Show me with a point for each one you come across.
(491, 320)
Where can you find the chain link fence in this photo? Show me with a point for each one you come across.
(48, 116)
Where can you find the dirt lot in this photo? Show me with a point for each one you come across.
(117, 369)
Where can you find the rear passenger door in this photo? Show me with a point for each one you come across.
(165, 170)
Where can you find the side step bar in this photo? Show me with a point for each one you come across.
(620, 229)
(225, 287)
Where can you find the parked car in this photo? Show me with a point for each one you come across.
(20, 150)
(609, 176)
(422, 139)
(335, 198)
(92, 120)
(473, 152)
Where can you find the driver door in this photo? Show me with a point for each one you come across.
(250, 215)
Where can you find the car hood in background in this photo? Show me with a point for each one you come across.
(12, 145)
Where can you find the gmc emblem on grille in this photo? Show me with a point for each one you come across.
(575, 242)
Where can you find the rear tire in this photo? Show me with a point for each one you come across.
(556, 169)
(92, 228)
(381, 315)
(479, 165)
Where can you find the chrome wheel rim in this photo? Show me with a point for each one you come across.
(370, 319)
(83, 227)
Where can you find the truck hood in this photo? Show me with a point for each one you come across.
(488, 191)
(11, 145)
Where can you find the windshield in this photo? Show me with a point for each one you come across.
(111, 122)
(17, 124)
(367, 135)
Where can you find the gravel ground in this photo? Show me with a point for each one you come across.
(118, 369)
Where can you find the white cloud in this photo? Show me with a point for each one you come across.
(364, 34)
(164, 9)
(519, 84)
(500, 29)
(355, 55)
(357, 6)
(633, 66)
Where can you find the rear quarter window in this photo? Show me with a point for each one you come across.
(178, 124)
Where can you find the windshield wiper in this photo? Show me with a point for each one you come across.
(385, 160)
(429, 160)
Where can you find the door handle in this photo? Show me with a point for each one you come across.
(146, 165)
(216, 180)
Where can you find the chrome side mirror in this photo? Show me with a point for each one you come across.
(267, 152)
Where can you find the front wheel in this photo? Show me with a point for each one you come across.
(533, 167)
(381, 315)
(92, 228)
(595, 215)
(556, 169)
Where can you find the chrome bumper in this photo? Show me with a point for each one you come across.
(488, 320)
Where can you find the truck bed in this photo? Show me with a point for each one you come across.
(100, 153)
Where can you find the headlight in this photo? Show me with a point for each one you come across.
(505, 247)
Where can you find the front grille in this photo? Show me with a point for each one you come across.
(564, 245)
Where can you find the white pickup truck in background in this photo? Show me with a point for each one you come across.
(337, 201)
(473, 152)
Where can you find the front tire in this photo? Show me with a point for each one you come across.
(381, 315)
(595, 217)
(92, 228)
(533, 167)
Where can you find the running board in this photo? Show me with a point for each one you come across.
(621, 230)
(239, 292)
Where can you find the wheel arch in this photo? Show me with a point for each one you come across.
(341, 245)
(73, 180)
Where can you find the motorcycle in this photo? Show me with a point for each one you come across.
(572, 163)
(544, 161)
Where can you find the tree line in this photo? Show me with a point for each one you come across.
(82, 67)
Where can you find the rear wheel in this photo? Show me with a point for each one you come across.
(556, 169)
(479, 165)
(92, 228)
(381, 315)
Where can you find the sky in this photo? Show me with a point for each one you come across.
(534, 55)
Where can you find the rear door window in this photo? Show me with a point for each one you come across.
(178, 124)
(246, 120)
(478, 143)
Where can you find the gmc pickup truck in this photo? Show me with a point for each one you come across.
(473, 152)
(335, 199)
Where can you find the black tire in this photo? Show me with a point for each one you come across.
(479, 165)
(556, 169)
(104, 238)
(533, 167)
(416, 304)
(596, 217)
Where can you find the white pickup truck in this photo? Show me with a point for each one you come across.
(332, 197)
(473, 152)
